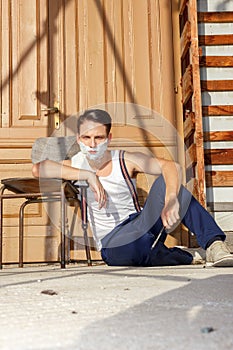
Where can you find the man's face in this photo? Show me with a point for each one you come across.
(91, 135)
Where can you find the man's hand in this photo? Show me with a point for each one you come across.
(170, 213)
(97, 188)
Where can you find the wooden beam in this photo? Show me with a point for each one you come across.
(192, 186)
(217, 110)
(185, 39)
(15, 161)
(197, 101)
(220, 206)
(191, 155)
(216, 61)
(189, 124)
(218, 156)
(208, 40)
(215, 17)
(182, 5)
(219, 178)
(187, 84)
(218, 136)
(190, 173)
(217, 85)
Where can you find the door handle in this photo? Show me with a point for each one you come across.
(50, 110)
(55, 111)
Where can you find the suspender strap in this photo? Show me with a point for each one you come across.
(129, 181)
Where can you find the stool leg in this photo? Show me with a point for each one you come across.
(1, 227)
(85, 223)
(21, 231)
(63, 228)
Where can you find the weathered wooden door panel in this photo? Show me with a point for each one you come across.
(29, 46)
(24, 67)
(125, 55)
(76, 54)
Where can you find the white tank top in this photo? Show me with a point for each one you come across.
(119, 203)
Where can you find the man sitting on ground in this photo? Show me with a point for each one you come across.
(126, 234)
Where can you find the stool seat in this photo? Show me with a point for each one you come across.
(30, 185)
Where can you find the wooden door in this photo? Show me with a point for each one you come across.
(76, 54)
(31, 62)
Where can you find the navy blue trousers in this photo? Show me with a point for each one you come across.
(130, 243)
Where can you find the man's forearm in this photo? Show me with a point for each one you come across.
(51, 169)
(173, 178)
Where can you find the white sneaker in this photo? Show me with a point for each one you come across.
(219, 255)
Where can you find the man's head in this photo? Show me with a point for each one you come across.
(94, 134)
(97, 116)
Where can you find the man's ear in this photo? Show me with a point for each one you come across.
(77, 138)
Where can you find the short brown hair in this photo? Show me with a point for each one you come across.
(97, 116)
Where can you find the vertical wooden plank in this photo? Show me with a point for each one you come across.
(24, 62)
(95, 63)
(114, 59)
(42, 84)
(196, 99)
(141, 73)
(138, 89)
(91, 48)
(82, 52)
(177, 85)
(155, 55)
(5, 63)
(70, 33)
(128, 50)
(1, 35)
(167, 72)
(56, 55)
(27, 46)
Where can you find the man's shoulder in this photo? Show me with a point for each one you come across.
(134, 155)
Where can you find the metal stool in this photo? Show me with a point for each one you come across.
(44, 190)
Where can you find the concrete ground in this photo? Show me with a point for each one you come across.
(100, 307)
